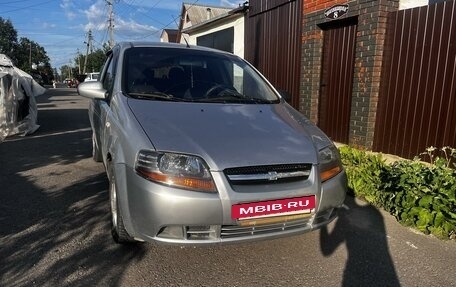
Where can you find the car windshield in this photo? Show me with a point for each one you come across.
(190, 75)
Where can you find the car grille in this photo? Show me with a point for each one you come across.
(268, 173)
(236, 231)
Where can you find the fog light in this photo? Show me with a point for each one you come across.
(172, 232)
(202, 232)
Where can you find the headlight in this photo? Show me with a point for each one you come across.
(179, 170)
(329, 162)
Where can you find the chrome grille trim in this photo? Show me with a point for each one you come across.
(268, 173)
(236, 231)
(272, 175)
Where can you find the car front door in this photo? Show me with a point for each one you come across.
(102, 107)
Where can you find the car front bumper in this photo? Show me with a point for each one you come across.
(154, 212)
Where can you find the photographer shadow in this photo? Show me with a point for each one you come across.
(362, 229)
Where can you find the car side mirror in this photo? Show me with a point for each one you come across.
(285, 95)
(92, 90)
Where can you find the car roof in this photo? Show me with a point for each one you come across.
(126, 45)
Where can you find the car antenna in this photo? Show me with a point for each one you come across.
(188, 46)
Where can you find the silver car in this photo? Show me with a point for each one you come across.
(200, 148)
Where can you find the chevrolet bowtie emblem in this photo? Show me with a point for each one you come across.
(273, 175)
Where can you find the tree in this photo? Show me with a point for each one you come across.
(24, 52)
(29, 52)
(95, 60)
(32, 58)
(47, 73)
(68, 72)
(8, 38)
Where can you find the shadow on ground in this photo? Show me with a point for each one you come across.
(362, 230)
(54, 223)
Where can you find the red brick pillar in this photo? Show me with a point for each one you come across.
(370, 39)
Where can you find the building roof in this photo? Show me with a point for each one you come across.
(231, 14)
(196, 14)
(171, 34)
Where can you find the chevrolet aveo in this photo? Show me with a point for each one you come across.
(200, 148)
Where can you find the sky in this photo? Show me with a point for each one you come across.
(61, 26)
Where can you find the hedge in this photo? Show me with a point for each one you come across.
(417, 194)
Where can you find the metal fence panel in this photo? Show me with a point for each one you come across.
(417, 103)
(273, 42)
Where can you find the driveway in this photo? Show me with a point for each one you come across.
(55, 229)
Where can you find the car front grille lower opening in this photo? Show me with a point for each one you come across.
(268, 173)
(192, 232)
(236, 231)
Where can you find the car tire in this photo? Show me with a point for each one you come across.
(118, 231)
(96, 153)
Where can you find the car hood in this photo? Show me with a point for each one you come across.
(230, 135)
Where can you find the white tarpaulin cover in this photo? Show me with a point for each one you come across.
(18, 109)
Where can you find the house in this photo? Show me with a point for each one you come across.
(407, 4)
(194, 14)
(224, 32)
(169, 35)
(212, 26)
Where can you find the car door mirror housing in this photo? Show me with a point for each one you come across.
(92, 90)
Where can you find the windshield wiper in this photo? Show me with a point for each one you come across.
(262, 101)
(156, 95)
(234, 97)
(231, 93)
(238, 96)
(225, 96)
(224, 99)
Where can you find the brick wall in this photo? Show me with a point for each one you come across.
(370, 39)
(318, 5)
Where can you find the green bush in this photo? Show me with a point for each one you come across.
(364, 173)
(416, 194)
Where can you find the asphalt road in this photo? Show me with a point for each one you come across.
(54, 229)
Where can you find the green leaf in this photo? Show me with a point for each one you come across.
(439, 219)
(425, 219)
(448, 227)
(426, 201)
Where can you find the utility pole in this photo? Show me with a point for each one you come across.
(111, 24)
(30, 55)
(70, 76)
(79, 62)
(89, 46)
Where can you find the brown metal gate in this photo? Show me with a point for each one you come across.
(417, 104)
(273, 42)
(337, 79)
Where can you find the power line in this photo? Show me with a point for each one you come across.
(145, 13)
(30, 6)
(166, 26)
(125, 11)
(17, 1)
(105, 35)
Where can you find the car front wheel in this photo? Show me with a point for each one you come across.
(118, 231)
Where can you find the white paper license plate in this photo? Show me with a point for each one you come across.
(295, 205)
